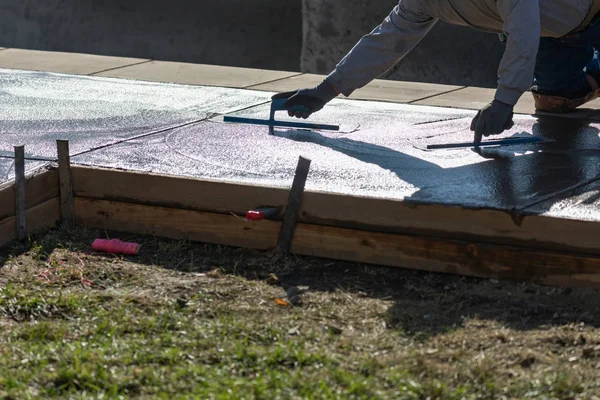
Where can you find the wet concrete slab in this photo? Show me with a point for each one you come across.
(7, 168)
(91, 112)
(580, 203)
(380, 152)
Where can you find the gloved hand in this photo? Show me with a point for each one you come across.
(307, 101)
(492, 119)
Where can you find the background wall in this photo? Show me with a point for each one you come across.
(292, 35)
(448, 54)
(248, 33)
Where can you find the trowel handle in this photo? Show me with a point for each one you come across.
(279, 105)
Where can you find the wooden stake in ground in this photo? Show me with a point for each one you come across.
(21, 205)
(66, 184)
(292, 211)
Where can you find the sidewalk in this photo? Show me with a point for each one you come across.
(462, 97)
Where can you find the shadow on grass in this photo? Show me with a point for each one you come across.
(423, 304)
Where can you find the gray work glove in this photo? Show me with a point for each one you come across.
(302, 103)
(492, 119)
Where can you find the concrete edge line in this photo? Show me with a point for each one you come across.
(120, 67)
(438, 94)
(457, 106)
(272, 81)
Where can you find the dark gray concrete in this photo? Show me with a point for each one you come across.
(448, 54)
(39, 108)
(257, 33)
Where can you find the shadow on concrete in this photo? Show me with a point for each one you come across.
(505, 178)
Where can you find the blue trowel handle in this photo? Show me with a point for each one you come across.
(279, 105)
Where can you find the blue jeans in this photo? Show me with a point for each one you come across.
(562, 63)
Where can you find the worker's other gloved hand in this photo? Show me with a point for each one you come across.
(302, 103)
(492, 119)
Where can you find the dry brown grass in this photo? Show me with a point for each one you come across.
(350, 331)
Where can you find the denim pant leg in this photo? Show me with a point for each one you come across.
(562, 62)
(559, 69)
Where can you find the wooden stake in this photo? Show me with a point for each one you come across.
(66, 183)
(21, 205)
(292, 211)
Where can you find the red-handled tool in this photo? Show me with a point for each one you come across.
(115, 246)
(261, 213)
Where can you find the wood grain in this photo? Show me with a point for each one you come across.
(176, 224)
(405, 251)
(40, 187)
(345, 211)
(41, 216)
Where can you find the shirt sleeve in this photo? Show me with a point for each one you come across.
(381, 49)
(522, 28)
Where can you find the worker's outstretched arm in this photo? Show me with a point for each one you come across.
(374, 54)
(515, 73)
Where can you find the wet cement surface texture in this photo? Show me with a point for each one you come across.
(380, 150)
(384, 157)
(90, 112)
(7, 168)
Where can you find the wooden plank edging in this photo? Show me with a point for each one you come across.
(41, 216)
(40, 186)
(415, 252)
(344, 211)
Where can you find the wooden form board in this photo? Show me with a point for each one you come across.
(41, 216)
(176, 223)
(344, 211)
(423, 253)
(39, 186)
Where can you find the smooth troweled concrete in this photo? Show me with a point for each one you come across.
(380, 150)
(381, 153)
(91, 112)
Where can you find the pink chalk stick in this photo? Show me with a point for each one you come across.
(115, 246)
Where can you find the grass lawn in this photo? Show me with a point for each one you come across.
(187, 320)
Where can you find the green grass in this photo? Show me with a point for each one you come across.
(177, 322)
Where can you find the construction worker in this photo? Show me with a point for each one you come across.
(549, 51)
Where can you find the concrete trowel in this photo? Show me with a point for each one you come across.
(279, 105)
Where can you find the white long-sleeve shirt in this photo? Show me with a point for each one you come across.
(522, 21)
